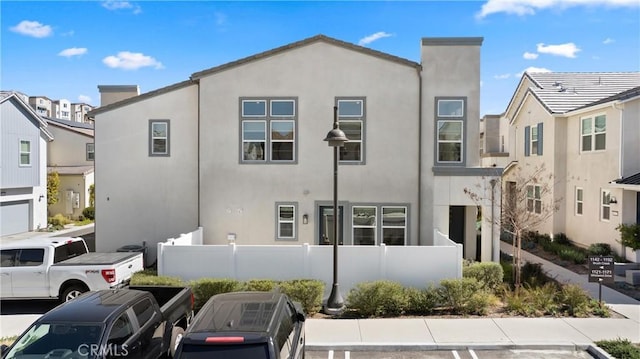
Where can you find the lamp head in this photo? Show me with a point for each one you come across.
(336, 137)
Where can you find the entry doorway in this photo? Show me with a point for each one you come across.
(457, 223)
(325, 235)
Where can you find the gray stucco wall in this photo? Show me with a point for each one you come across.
(240, 198)
(17, 125)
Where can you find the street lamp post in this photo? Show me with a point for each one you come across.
(336, 138)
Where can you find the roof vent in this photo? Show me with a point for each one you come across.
(557, 84)
(562, 89)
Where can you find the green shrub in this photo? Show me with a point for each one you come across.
(543, 299)
(456, 293)
(573, 255)
(260, 285)
(421, 301)
(517, 303)
(151, 278)
(533, 275)
(562, 239)
(620, 348)
(205, 288)
(630, 235)
(575, 300)
(480, 302)
(490, 275)
(59, 220)
(507, 270)
(600, 249)
(380, 298)
(89, 213)
(306, 291)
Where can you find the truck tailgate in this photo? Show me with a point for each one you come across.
(123, 263)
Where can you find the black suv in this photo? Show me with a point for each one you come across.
(251, 325)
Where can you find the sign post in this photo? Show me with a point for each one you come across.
(601, 271)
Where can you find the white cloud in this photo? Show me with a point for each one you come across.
(121, 5)
(32, 28)
(84, 99)
(74, 51)
(131, 61)
(502, 77)
(533, 69)
(608, 41)
(373, 37)
(529, 56)
(529, 7)
(567, 50)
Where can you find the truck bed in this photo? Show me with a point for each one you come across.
(94, 258)
(174, 302)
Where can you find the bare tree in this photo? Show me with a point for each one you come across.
(527, 203)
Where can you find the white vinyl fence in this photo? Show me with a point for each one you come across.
(415, 266)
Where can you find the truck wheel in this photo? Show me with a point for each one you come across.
(72, 292)
(176, 337)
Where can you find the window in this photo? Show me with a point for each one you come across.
(144, 311)
(579, 201)
(364, 225)
(90, 151)
(450, 130)
(8, 257)
(533, 140)
(158, 137)
(286, 219)
(594, 133)
(605, 211)
(351, 116)
(394, 225)
(534, 199)
(25, 153)
(268, 130)
(121, 330)
(31, 257)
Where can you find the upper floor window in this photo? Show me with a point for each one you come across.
(25, 153)
(286, 221)
(90, 151)
(533, 140)
(450, 130)
(593, 131)
(579, 200)
(351, 116)
(534, 199)
(268, 129)
(159, 138)
(605, 209)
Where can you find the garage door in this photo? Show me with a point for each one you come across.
(14, 217)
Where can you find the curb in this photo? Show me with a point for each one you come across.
(598, 352)
(591, 348)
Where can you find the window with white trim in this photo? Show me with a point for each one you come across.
(91, 152)
(450, 130)
(268, 130)
(364, 225)
(593, 132)
(534, 199)
(534, 140)
(579, 201)
(394, 225)
(159, 137)
(605, 207)
(25, 153)
(286, 219)
(351, 116)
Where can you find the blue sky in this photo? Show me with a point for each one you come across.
(66, 49)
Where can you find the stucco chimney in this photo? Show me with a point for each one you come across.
(114, 93)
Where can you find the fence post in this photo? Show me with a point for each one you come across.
(159, 258)
(305, 260)
(232, 260)
(383, 261)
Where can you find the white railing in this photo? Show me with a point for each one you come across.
(414, 266)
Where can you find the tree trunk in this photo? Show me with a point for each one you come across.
(518, 265)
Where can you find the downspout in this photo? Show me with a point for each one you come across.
(495, 252)
(419, 71)
(198, 158)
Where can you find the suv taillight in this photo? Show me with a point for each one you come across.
(109, 275)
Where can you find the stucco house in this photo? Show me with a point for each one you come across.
(585, 129)
(71, 155)
(23, 166)
(238, 149)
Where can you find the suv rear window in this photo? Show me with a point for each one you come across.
(242, 351)
(68, 251)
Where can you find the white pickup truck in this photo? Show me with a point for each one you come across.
(63, 268)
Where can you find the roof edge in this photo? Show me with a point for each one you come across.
(452, 41)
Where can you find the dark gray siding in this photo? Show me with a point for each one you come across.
(17, 124)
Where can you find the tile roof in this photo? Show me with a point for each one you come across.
(633, 179)
(562, 92)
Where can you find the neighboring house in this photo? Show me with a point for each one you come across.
(23, 169)
(42, 105)
(61, 109)
(238, 149)
(585, 129)
(71, 155)
(79, 112)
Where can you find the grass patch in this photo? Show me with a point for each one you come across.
(620, 348)
(83, 222)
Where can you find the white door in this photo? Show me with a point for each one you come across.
(29, 276)
(7, 261)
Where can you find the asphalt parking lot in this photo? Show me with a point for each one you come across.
(450, 354)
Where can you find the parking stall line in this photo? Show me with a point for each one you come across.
(455, 354)
(473, 354)
(330, 354)
(347, 355)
